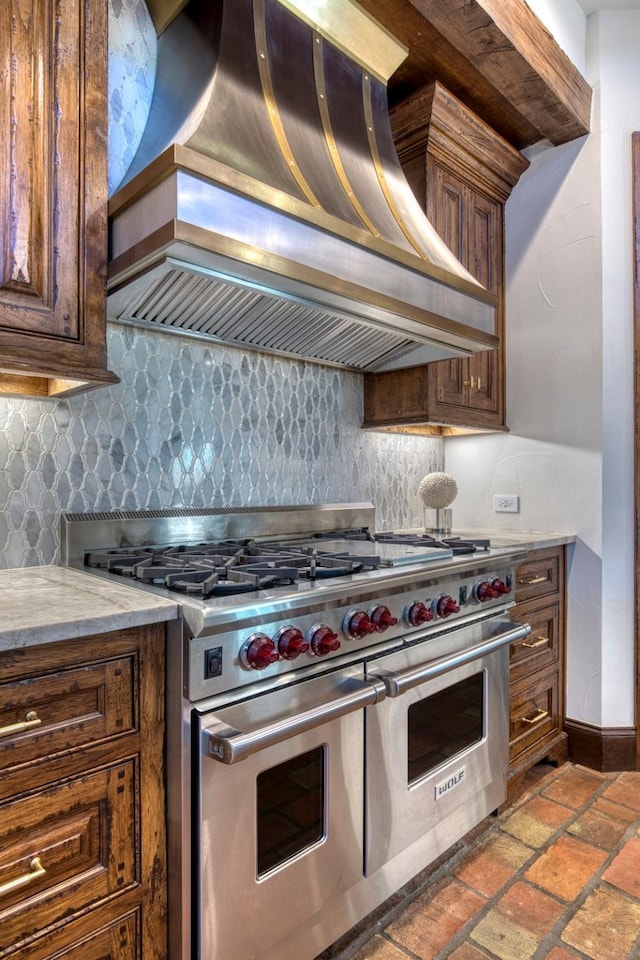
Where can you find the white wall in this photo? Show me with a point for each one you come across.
(566, 22)
(614, 43)
(570, 402)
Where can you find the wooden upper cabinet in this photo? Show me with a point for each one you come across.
(462, 173)
(53, 197)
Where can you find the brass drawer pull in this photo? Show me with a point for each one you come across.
(35, 870)
(539, 642)
(31, 720)
(536, 718)
(532, 580)
(472, 383)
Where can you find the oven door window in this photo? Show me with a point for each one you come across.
(290, 809)
(444, 725)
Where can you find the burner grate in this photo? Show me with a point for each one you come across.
(459, 545)
(231, 567)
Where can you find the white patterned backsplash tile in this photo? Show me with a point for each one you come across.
(133, 54)
(195, 424)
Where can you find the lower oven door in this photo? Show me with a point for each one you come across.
(281, 813)
(437, 747)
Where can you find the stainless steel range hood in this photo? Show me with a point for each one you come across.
(266, 206)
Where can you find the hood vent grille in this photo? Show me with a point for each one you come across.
(246, 317)
(266, 206)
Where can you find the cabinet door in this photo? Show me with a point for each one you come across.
(53, 237)
(448, 200)
(116, 942)
(471, 226)
(66, 849)
(485, 382)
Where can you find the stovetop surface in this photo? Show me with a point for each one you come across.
(243, 563)
(303, 594)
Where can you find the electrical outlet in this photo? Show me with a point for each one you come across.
(506, 503)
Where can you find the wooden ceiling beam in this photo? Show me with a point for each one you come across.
(497, 57)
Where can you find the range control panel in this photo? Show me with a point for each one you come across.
(268, 647)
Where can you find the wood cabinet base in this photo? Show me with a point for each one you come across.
(554, 752)
(82, 799)
(537, 677)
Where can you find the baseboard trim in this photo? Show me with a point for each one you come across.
(607, 749)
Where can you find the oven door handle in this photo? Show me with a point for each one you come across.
(399, 683)
(223, 743)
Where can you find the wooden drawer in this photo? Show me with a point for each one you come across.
(48, 713)
(541, 576)
(65, 849)
(534, 714)
(115, 940)
(541, 649)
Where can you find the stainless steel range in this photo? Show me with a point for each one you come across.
(337, 704)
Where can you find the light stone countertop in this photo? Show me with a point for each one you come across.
(529, 539)
(49, 603)
(501, 538)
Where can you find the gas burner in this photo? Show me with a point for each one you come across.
(232, 567)
(457, 544)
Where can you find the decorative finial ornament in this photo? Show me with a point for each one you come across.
(438, 490)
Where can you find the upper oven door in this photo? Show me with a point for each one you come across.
(281, 814)
(437, 747)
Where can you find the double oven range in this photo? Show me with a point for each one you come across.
(337, 707)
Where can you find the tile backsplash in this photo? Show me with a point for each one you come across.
(197, 424)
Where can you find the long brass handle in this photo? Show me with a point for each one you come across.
(529, 582)
(35, 870)
(536, 718)
(536, 643)
(475, 385)
(31, 720)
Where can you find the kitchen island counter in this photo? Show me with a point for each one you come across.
(50, 603)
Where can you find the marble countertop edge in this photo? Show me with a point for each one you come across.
(49, 603)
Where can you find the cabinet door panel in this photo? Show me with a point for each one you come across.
(65, 849)
(541, 576)
(65, 710)
(115, 942)
(471, 226)
(39, 284)
(541, 650)
(534, 715)
(53, 196)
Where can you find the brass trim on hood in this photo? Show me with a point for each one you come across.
(154, 248)
(352, 29)
(177, 157)
(334, 152)
(262, 49)
(377, 164)
(164, 11)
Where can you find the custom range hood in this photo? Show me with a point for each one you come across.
(266, 206)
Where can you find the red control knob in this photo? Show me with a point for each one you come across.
(357, 624)
(500, 586)
(445, 605)
(323, 640)
(485, 591)
(259, 652)
(290, 642)
(418, 613)
(381, 617)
